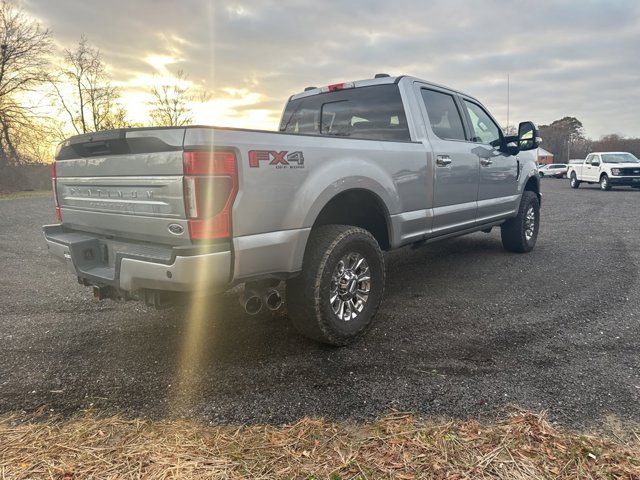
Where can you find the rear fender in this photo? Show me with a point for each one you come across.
(332, 179)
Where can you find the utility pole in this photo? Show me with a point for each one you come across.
(508, 92)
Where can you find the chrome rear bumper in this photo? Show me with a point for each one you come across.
(130, 267)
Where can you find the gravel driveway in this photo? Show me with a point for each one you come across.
(466, 329)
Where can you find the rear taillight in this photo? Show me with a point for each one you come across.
(54, 187)
(210, 187)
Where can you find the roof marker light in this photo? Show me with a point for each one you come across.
(338, 86)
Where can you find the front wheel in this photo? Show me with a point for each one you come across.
(519, 234)
(605, 184)
(574, 181)
(341, 285)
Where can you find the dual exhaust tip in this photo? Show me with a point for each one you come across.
(253, 300)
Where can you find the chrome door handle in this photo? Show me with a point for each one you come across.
(485, 162)
(443, 160)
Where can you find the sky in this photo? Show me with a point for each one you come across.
(577, 58)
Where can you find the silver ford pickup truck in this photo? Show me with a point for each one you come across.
(356, 168)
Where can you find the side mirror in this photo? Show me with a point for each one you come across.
(528, 136)
(595, 162)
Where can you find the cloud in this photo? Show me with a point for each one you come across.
(578, 58)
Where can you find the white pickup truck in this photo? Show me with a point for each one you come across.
(609, 169)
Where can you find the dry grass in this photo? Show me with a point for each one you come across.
(24, 194)
(398, 446)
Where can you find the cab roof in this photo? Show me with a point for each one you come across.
(370, 82)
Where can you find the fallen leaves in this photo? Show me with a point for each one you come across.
(522, 446)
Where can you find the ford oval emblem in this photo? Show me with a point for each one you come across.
(176, 229)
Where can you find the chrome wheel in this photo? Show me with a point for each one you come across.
(350, 286)
(529, 223)
(604, 183)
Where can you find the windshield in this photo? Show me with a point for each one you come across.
(619, 158)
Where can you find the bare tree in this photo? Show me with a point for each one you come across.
(170, 105)
(617, 143)
(85, 92)
(24, 47)
(36, 144)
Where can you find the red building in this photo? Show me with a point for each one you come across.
(544, 157)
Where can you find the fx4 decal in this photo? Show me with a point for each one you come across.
(278, 159)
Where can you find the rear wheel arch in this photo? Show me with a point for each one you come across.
(360, 208)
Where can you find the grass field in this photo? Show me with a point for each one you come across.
(522, 446)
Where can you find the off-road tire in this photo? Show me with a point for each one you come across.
(308, 303)
(513, 231)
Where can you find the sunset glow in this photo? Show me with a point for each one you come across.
(243, 59)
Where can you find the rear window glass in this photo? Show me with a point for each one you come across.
(372, 113)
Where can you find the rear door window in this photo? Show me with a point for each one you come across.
(372, 113)
(444, 115)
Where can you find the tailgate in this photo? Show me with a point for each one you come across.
(124, 183)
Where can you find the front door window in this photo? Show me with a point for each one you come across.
(484, 129)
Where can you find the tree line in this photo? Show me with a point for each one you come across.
(35, 81)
